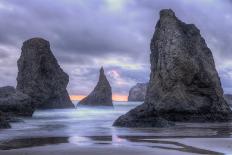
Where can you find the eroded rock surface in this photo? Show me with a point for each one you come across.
(184, 84)
(138, 92)
(41, 77)
(3, 122)
(15, 102)
(101, 95)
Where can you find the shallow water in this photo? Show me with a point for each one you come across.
(93, 126)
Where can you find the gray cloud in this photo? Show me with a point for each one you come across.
(87, 34)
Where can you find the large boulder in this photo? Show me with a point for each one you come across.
(101, 95)
(3, 122)
(41, 77)
(15, 102)
(184, 84)
(138, 92)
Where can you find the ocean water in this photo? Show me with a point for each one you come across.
(82, 121)
(93, 126)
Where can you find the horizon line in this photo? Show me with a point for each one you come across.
(114, 97)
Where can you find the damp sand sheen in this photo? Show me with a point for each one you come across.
(90, 131)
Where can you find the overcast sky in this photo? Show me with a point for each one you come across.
(87, 34)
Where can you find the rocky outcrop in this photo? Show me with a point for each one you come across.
(228, 98)
(138, 92)
(184, 84)
(101, 95)
(15, 102)
(41, 77)
(3, 122)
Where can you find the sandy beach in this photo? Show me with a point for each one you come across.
(67, 149)
(116, 77)
(183, 146)
(87, 131)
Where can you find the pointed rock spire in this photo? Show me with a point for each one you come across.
(102, 93)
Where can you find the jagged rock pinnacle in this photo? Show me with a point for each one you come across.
(101, 95)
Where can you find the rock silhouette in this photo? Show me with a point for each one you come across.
(15, 102)
(184, 84)
(101, 95)
(138, 92)
(41, 77)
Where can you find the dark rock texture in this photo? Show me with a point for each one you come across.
(15, 102)
(228, 98)
(41, 77)
(142, 116)
(101, 95)
(138, 92)
(3, 122)
(184, 84)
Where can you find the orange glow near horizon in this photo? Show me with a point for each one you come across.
(115, 97)
(77, 97)
(119, 97)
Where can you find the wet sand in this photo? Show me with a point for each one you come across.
(124, 145)
(90, 132)
(67, 149)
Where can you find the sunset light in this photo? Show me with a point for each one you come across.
(115, 77)
(77, 97)
(115, 97)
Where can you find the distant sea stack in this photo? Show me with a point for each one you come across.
(101, 95)
(138, 92)
(184, 84)
(41, 77)
(15, 103)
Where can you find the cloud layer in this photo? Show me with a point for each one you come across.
(87, 34)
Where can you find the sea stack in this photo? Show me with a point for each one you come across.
(101, 95)
(41, 77)
(184, 84)
(138, 92)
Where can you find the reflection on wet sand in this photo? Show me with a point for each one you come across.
(142, 141)
(31, 142)
(171, 145)
(86, 128)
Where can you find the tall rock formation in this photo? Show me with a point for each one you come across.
(41, 77)
(138, 92)
(184, 84)
(101, 95)
(15, 102)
